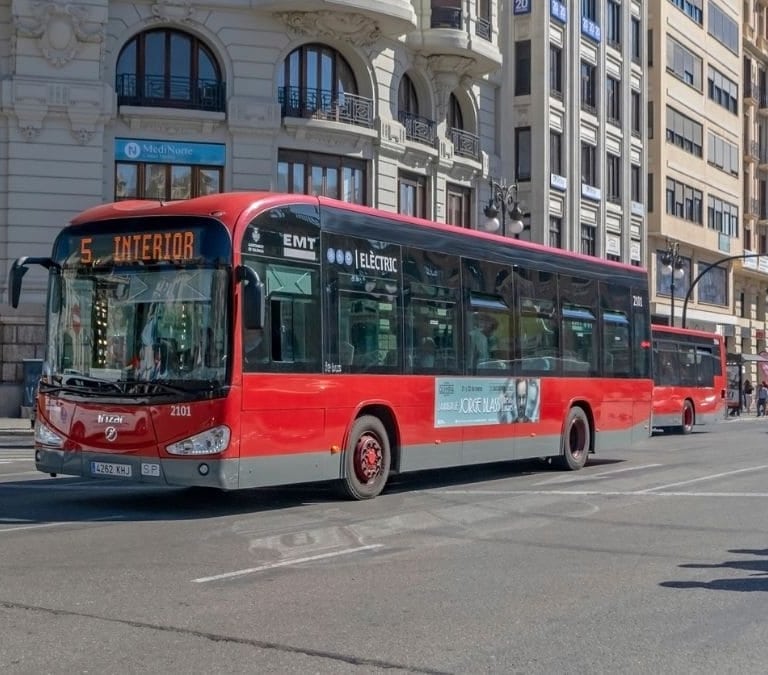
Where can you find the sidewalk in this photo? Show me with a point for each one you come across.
(12, 426)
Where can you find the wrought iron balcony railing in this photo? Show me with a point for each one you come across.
(483, 28)
(171, 92)
(465, 144)
(418, 129)
(324, 104)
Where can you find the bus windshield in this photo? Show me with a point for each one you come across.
(138, 324)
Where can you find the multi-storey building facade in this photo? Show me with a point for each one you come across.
(695, 195)
(575, 140)
(752, 272)
(387, 103)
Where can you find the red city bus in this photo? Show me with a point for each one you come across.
(689, 377)
(251, 339)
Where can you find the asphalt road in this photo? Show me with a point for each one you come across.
(653, 560)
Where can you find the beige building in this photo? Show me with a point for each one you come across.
(388, 103)
(574, 143)
(696, 154)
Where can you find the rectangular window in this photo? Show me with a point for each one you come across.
(723, 91)
(458, 205)
(589, 165)
(712, 287)
(556, 152)
(723, 154)
(613, 23)
(165, 182)
(411, 194)
(684, 132)
(723, 217)
(316, 173)
(723, 28)
(555, 71)
(523, 68)
(691, 8)
(588, 240)
(684, 64)
(635, 183)
(613, 100)
(637, 41)
(613, 168)
(555, 232)
(636, 101)
(523, 154)
(588, 87)
(684, 201)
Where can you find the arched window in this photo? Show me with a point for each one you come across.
(407, 100)
(455, 119)
(417, 128)
(169, 68)
(316, 81)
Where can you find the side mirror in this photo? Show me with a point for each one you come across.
(253, 298)
(18, 270)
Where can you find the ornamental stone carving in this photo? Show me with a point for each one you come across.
(166, 11)
(60, 30)
(357, 29)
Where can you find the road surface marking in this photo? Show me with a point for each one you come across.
(596, 493)
(709, 477)
(588, 476)
(285, 563)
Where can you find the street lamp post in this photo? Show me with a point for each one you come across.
(672, 266)
(504, 201)
(719, 261)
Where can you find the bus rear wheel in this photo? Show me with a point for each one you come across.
(576, 440)
(367, 459)
(688, 418)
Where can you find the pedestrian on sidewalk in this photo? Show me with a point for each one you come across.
(762, 399)
(748, 390)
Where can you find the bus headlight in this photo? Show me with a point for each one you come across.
(209, 442)
(46, 436)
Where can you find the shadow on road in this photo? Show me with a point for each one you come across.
(75, 500)
(757, 581)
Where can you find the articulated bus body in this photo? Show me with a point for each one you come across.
(251, 339)
(689, 378)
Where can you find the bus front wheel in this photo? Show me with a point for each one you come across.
(576, 441)
(688, 418)
(367, 459)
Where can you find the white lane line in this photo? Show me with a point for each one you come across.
(286, 563)
(588, 476)
(114, 518)
(598, 493)
(709, 477)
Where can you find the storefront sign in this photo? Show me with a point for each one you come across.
(169, 152)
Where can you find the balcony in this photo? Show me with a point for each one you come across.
(752, 208)
(453, 32)
(418, 129)
(323, 104)
(343, 18)
(763, 102)
(751, 151)
(751, 93)
(158, 91)
(465, 144)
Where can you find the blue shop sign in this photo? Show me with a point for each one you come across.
(169, 152)
(522, 7)
(558, 10)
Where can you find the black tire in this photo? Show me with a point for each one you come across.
(688, 418)
(367, 459)
(576, 440)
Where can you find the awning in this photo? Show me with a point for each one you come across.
(754, 357)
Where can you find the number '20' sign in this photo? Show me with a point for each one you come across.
(522, 7)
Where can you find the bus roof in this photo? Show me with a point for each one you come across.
(676, 330)
(228, 206)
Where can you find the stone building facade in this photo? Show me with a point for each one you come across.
(392, 104)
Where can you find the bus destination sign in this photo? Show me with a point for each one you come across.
(143, 247)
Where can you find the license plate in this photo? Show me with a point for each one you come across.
(111, 469)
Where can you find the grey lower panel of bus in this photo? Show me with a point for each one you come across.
(231, 474)
(676, 419)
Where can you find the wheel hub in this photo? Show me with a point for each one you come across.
(369, 459)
